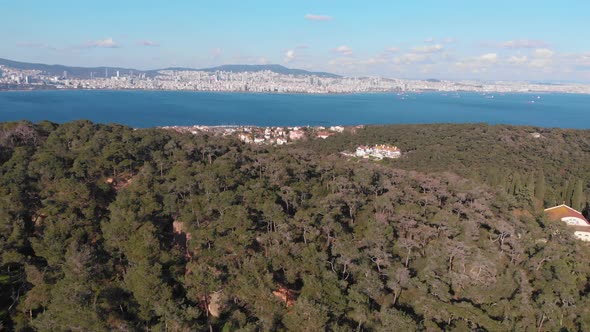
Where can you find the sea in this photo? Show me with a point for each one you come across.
(142, 109)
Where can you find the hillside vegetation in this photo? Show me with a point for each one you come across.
(554, 167)
(106, 228)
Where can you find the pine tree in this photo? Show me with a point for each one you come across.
(566, 193)
(540, 186)
(586, 210)
(530, 186)
(517, 187)
(577, 195)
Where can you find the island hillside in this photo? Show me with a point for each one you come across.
(108, 228)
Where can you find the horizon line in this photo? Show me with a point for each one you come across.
(299, 69)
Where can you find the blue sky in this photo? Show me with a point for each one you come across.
(455, 39)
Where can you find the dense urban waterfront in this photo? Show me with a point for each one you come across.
(168, 108)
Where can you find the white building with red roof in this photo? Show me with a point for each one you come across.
(573, 218)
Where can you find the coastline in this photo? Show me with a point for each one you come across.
(311, 93)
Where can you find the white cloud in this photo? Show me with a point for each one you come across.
(315, 17)
(344, 50)
(449, 40)
(518, 60)
(147, 43)
(489, 57)
(289, 56)
(542, 58)
(429, 40)
(375, 64)
(105, 43)
(580, 62)
(523, 43)
(582, 59)
(502, 64)
(540, 63)
(428, 49)
(516, 44)
(479, 64)
(543, 53)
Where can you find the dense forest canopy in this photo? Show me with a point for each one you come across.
(555, 162)
(103, 227)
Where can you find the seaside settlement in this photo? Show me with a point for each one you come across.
(265, 81)
(287, 135)
(266, 135)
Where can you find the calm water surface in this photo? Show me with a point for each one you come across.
(161, 108)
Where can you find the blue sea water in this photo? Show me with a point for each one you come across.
(163, 108)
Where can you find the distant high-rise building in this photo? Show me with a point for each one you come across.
(106, 73)
(117, 74)
(65, 74)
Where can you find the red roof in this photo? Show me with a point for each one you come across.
(564, 211)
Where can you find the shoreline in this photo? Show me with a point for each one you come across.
(309, 126)
(310, 93)
(208, 91)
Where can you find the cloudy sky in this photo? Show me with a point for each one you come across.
(450, 39)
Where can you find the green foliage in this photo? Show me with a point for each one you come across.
(103, 228)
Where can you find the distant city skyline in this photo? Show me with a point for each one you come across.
(455, 39)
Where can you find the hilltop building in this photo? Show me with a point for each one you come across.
(573, 218)
(296, 134)
(324, 134)
(338, 129)
(379, 151)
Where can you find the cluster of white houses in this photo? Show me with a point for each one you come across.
(379, 151)
(573, 218)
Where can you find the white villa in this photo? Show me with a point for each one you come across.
(379, 151)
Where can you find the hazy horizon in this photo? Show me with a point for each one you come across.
(452, 40)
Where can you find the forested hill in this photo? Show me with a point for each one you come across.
(87, 72)
(105, 228)
(551, 165)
